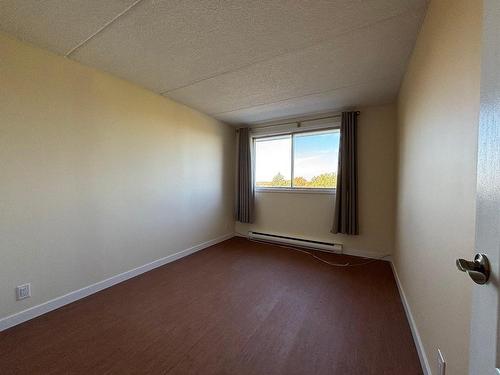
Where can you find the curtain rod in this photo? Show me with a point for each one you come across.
(299, 122)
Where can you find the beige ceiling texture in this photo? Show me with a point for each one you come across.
(241, 61)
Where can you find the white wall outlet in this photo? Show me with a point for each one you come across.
(441, 363)
(23, 291)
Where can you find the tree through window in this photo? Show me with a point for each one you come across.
(302, 160)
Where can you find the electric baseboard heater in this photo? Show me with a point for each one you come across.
(300, 242)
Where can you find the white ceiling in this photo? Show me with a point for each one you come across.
(242, 61)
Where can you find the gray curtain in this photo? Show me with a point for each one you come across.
(245, 191)
(346, 200)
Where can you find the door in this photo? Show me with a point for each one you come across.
(485, 327)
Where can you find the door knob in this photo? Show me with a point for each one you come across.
(478, 269)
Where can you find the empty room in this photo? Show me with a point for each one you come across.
(250, 187)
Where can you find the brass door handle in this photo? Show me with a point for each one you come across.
(478, 269)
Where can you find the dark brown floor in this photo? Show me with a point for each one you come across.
(239, 307)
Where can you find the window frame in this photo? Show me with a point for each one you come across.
(291, 189)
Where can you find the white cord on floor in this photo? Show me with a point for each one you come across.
(315, 256)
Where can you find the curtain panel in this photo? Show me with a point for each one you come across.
(345, 218)
(245, 191)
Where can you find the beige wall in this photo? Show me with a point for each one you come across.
(99, 176)
(438, 118)
(311, 215)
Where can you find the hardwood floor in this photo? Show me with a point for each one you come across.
(238, 307)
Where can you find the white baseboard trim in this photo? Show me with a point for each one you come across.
(366, 254)
(58, 302)
(413, 326)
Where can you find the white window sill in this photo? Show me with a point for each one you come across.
(295, 190)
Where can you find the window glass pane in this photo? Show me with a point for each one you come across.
(273, 162)
(315, 159)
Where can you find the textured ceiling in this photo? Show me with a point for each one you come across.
(241, 61)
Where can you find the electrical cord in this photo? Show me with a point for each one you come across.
(314, 255)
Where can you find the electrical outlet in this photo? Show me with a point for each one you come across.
(441, 363)
(23, 291)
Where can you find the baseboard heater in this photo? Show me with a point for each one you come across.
(316, 245)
